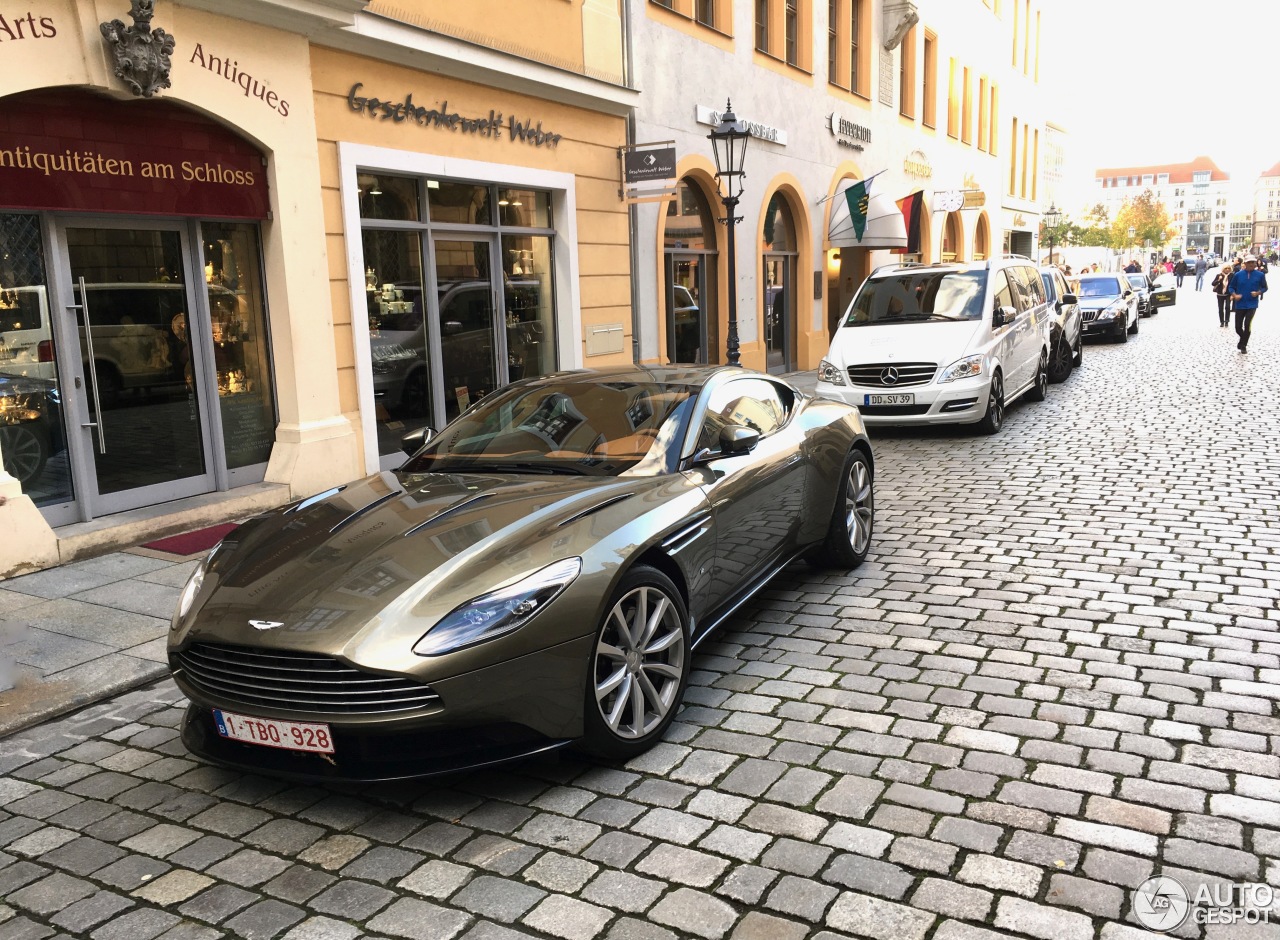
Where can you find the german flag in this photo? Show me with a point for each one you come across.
(912, 208)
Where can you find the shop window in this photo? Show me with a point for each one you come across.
(237, 311)
(530, 310)
(32, 440)
(461, 203)
(388, 197)
(524, 208)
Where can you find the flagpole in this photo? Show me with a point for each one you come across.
(864, 181)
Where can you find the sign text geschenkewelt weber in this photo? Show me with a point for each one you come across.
(492, 126)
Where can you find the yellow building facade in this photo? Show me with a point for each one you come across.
(339, 220)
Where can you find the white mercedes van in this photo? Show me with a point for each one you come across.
(942, 343)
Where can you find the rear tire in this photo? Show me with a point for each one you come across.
(853, 520)
(638, 667)
(993, 420)
(1039, 390)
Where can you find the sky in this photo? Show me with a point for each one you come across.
(1137, 83)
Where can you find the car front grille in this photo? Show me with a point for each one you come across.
(1088, 316)
(287, 681)
(892, 374)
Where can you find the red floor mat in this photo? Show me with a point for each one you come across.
(201, 540)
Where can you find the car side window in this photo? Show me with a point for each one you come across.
(753, 403)
(1036, 287)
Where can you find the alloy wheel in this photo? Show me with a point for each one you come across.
(859, 507)
(639, 662)
(23, 453)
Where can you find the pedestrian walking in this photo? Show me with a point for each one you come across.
(1247, 287)
(1201, 269)
(1180, 270)
(1132, 267)
(1221, 287)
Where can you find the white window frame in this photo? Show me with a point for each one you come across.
(564, 219)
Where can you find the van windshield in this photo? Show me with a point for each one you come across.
(921, 296)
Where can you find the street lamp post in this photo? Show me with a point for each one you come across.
(1052, 219)
(729, 142)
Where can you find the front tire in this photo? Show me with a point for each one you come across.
(1133, 327)
(853, 520)
(1060, 360)
(1078, 359)
(993, 420)
(1122, 334)
(639, 666)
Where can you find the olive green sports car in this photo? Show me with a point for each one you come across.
(539, 573)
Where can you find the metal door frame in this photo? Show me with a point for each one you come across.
(672, 256)
(790, 314)
(89, 502)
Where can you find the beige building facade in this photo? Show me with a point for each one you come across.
(340, 221)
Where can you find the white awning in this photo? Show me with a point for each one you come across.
(885, 226)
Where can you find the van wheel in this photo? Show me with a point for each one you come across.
(993, 420)
(1039, 390)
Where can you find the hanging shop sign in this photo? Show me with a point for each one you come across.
(711, 117)
(493, 125)
(917, 164)
(848, 133)
(648, 164)
(75, 150)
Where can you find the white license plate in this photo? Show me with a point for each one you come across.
(290, 735)
(901, 398)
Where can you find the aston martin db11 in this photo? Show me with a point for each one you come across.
(537, 574)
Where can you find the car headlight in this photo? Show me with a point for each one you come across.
(1111, 312)
(493, 615)
(192, 588)
(830, 374)
(967, 368)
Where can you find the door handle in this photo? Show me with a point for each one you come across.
(83, 307)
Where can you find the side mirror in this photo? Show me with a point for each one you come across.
(414, 441)
(452, 327)
(1070, 299)
(735, 439)
(1003, 315)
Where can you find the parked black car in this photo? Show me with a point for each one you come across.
(1066, 331)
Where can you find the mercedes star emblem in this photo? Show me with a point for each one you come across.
(889, 376)
(265, 624)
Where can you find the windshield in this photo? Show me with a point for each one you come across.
(921, 295)
(599, 428)
(1099, 287)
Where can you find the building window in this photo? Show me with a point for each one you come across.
(705, 12)
(984, 115)
(1013, 156)
(966, 109)
(907, 76)
(762, 25)
(993, 143)
(845, 66)
(953, 101)
(792, 30)
(929, 111)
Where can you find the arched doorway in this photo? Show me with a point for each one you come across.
(689, 256)
(779, 287)
(982, 239)
(952, 238)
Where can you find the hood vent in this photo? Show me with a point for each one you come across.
(466, 504)
(591, 510)
(360, 512)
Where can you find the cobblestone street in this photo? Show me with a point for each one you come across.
(1057, 675)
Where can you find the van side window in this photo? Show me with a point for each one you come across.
(1002, 292)
(1036, 287)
